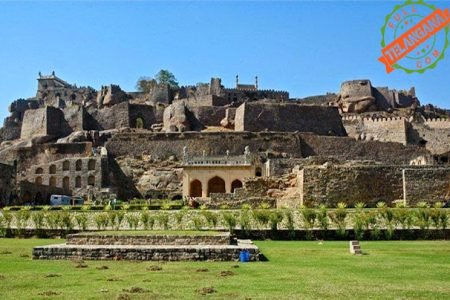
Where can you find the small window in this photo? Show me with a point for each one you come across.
(52, 181)
(66, 165)
(78, 165)
(91, 180)
(52, 169)
(38, 180)
(78, 182)
(39, 171)
(91, 164)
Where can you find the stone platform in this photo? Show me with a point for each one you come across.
(220, 247)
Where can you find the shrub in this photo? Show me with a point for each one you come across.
(198, 222)
(275, 217)
(290, 222)
(308, 216)
(322, 217)
(179, 216)
(132, 220)
(38, 218)
(211, 218)
(229, 220)
(262, 217)
(101, 220)
(22, 217)
(339, 218)
(81, 219)
(163, 220)
(245, 220)
(147, 221)
(66, 221)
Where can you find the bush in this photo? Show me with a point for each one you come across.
(81, 219)
(229, 220)
(262, 217)
(163, 220)
(101, 220)
(132, 220)
(211, 218)
(275, 217)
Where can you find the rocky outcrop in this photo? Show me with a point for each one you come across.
(111, 95)
(175, 118)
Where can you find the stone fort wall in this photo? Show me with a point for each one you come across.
(163, 145)
(291, 117)
(7, 181)
(373, 183)
(377, 129)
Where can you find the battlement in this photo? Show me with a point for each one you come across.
(372, 119)
(438, 123)
(228, 90)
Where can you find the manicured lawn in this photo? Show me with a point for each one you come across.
(295, 270)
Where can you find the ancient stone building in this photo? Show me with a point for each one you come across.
(224, 145)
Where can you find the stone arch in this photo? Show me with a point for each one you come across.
(66, 183)
(216, 185)
(91, 180)
(235, 185)
(66, 165)
(27, 197)
(258, 172)
(139, 123)
(38, 199)
(78, 181)
(38, 180)
(52, 169)
(52, 181)
(78, 165)
(195, 189)
(39, 171)
(91, 164)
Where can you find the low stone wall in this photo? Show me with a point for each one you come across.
(96, 239)
(155, 253)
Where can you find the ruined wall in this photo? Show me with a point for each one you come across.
(256, 116)
(44, 153)
(434, 134)
(372, 183)
(116, 116)
(377, 129)
(7, 182)
(146, 113)
(209, 115)
(350, 184)
(346, 148)
(35, 194)
(43, 121)
(163, 145)
(75, 118)
(425, 184)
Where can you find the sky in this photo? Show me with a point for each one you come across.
(306, 48)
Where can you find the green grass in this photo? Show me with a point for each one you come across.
(156, 232)
(295, 270)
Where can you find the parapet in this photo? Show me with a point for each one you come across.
(438, 123)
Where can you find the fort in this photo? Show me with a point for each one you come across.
(221, 145)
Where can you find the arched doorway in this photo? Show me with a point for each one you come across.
(139, 123)
(216, 185)
(52, 181)
(27, 198)
(38, 180)
(235, 185)
(66, 184)
(258, 172)
(38, 199)
(195, 189)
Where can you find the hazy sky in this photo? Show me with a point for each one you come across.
(306, 48)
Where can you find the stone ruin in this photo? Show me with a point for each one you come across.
(363, 143)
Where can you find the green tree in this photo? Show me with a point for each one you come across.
(166, 77)
(145, 84)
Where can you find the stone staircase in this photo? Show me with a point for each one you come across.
(355, 247)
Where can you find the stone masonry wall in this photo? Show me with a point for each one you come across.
(291, 117)
(7, 181)
(430, 185)
(377, 129)
(164, 145)
(333, 184)
(346, 148)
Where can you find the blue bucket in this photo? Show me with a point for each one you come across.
(244, 256)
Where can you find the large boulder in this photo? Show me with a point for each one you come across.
(111, 95)
(356, 97)
(175, 118)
